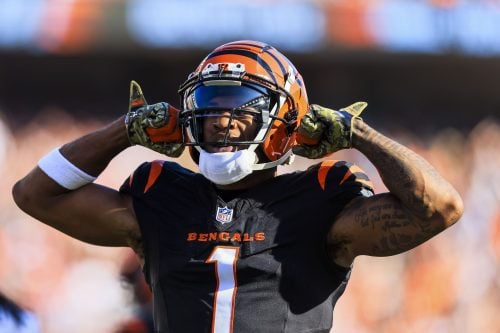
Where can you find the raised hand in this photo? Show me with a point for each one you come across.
(323, 131)
(154, 126)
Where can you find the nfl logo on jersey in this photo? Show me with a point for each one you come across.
(224, 214)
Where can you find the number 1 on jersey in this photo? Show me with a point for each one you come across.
(224, 258)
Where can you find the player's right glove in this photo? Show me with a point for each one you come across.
(323, 131)
(153, 126)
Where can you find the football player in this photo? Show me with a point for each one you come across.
(236, 247)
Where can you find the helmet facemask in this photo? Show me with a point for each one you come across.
(222, 91)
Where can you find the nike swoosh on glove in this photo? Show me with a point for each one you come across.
(154, 126)
(323, 131)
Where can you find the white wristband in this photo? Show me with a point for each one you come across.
(63, 171)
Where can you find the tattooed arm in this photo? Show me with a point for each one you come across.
(419, 205)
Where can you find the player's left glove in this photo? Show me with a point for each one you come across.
(153, 126)
(323, 131)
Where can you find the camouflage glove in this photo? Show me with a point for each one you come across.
(323, 131)
(153, 126)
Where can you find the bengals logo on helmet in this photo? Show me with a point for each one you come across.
(260, 67)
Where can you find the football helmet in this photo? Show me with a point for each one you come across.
(245, 78)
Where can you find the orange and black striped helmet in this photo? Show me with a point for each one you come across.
(246, 77)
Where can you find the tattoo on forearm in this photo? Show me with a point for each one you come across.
(405, 173)
(420, 204)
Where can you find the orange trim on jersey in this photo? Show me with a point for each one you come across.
(154, 173)
(235, 288)
(352, 170)
(217, 284)
(323, 172)
(216, 293)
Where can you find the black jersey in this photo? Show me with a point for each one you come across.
(253, 263)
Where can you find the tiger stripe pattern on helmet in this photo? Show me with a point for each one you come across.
(266, 67)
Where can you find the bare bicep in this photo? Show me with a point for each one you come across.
(376, 226)
(97, 215)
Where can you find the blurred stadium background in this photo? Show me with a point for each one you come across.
(430, 71)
